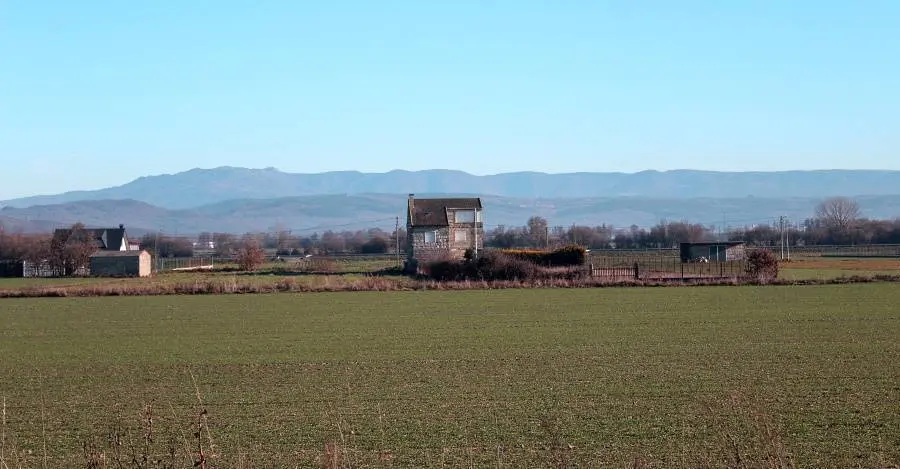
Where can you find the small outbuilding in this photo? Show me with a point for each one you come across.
(121, 264)
(719, 251)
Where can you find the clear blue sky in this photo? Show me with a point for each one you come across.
(97, 93)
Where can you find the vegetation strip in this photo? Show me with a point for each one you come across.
(376, 284)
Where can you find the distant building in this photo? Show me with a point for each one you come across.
(203, 248)
(719, 251)
(121, 264)
(443, 228)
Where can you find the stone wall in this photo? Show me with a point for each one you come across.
(424, 251)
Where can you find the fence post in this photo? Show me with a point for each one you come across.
(682, 271)
(591, 266)
(637, 274)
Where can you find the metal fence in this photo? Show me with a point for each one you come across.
(649, 268)
(162, 264)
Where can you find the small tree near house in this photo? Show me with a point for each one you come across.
(72, 252)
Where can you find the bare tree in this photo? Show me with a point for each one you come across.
(838, 213)
(71, 250)
(538, 235)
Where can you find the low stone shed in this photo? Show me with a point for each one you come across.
(121, 264)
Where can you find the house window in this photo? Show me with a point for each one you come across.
(430, 236)
(460, 236)
(465, 216)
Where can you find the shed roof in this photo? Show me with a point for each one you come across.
(119, 253)
(433, 212)
(714, 243)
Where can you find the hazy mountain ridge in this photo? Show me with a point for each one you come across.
(199, 187)
(309, 214)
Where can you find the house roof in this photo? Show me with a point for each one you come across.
(104, 238)
(433, 212)
(720, 243)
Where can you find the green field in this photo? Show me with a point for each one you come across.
(687, 377)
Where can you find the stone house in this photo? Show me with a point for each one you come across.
(440, 228)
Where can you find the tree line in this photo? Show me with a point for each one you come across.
(836, 221)
(65, 252)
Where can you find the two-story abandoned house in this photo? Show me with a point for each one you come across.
(443, 228)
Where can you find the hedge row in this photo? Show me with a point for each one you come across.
(563, 257)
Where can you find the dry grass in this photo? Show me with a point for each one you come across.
(338, 283)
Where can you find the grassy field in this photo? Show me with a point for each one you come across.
(686, 377)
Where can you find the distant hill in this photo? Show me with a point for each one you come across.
(199, 187)
(307, 214)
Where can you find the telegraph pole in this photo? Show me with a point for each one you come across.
(156, 251)
(781, 234)
(397, 236)
(787, 236)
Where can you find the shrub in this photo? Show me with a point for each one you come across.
(762, 264)
(491, 266)
(500, 266)
(446, 270)
(376, 245)
(567, 256)
(250, 257)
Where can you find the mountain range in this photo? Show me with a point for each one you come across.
(239, 199)
(199, 187)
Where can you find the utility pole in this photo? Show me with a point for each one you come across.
(156, 251)
(548, 236)
(781, 234)
(787, 236)
(397, 236)
(724, 227)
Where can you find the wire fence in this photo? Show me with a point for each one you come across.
(649, 268)
(184, 263)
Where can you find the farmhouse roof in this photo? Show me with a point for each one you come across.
(103, 238)
(433, 212)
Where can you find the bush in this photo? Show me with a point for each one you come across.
(447, 271)
(499, 266)
(250, 257)
(376, 245)
(491, 266)
(567, 256)
(562, 257)
(762, 264)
